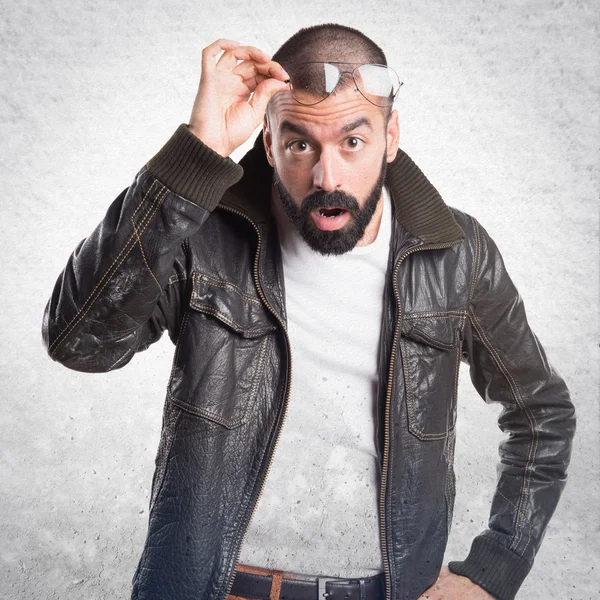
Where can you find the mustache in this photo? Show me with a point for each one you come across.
(322, 199)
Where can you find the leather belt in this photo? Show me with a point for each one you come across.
(323, 588)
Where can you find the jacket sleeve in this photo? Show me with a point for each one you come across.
(509, 366)
(114, 297)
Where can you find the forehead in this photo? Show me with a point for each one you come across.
(329, 116)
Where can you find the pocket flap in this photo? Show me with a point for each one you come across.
(440, 332)
(243, 313)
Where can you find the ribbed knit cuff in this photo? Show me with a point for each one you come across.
(493, 567)
(193, 170)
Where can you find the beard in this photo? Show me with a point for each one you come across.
(338, 241)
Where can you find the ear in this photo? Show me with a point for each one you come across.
(268, 140)
(392, 136)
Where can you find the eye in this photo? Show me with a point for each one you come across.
(299, 146)
(353, 143)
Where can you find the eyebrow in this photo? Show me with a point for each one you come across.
(288, 126)
(356, 124)
(292, 128)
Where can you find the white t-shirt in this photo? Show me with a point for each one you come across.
(318, 511)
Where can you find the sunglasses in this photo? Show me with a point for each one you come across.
(313, 82)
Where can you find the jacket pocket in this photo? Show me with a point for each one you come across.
(431, 350)
(221, 352)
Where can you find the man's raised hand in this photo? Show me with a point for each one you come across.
(232, 96)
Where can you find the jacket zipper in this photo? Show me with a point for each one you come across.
(287, 394)
(382, 530)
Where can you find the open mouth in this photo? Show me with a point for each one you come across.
(331, 218)
(330, 213)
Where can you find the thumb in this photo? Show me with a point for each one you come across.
(264, 91)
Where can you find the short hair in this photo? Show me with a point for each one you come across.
(330, 42)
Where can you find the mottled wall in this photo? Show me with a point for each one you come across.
(500, 110)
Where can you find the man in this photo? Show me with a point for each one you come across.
(325, 256)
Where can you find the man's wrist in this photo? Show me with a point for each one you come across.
(205, 139)
(492, 566)
(193, 170)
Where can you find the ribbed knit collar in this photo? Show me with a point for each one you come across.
(418, 206)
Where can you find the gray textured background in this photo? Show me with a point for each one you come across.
(500, 110)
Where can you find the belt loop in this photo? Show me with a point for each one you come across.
(361, 583)
(276, 577)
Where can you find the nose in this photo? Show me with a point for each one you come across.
(326, 172)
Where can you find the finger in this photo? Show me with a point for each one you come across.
(254, 81)
(209, 53)
(230, 57)
(263, 93)
(249, 68)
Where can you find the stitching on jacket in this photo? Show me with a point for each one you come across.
(521, 513)
(106, 273)
(411, 403)
(524, 484)
(91, 299)
(139, 240)
(177, 278)
(431, 341)
(389, 486)
(181, 276)
(455, 404)
(446, 314)
(202, 412)
(410, 395)
(127, 354)
(128, 247)
(260, 368)
(143, 200)
(180, 403)
(217, 313)
(252, 394)
(224, 284)
(477, 258)
(113, 267)
(177, 348)
(533, 425)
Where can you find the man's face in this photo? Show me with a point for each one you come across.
(329, 165)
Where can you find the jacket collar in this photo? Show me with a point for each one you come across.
(418, 206)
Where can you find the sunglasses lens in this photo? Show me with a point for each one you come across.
(378, 83)
(312, 82)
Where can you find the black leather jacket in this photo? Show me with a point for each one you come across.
(191, 248)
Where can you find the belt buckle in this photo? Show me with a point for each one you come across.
(321, 581)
